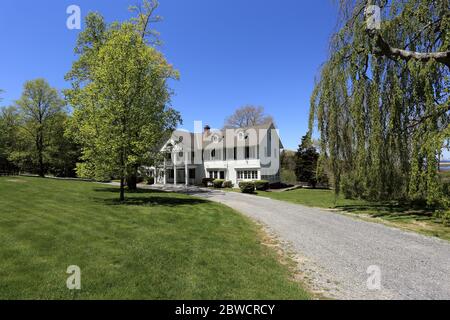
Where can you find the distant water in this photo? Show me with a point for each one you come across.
(445, 165)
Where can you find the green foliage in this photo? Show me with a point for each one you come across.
(262, 185)
(38, 144)
(444, 215)
(9, 121)
(287, 163)
(121, 99)
(247, 186)
(218, 183)
(228, 184)
(206, 182)
(288, 176)
(383, 121)
(306, 162)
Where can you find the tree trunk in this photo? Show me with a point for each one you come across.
(40, 148)
(132, 182)
(41, 165)
(122, 189)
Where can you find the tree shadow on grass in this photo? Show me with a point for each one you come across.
(147, 198)
(391, 211)
(138, 191)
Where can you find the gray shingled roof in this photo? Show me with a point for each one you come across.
(221, 135)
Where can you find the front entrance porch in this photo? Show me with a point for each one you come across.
(216, 174)
(186, 176)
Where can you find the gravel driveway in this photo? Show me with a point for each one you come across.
(337, 251)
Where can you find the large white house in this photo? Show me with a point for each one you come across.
(234, 155)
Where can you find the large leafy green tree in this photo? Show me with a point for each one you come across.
(39, 109)
(120, 97)
(8, 137)
(382, 100)
(63, 152)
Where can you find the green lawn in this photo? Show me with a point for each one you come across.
(410, 218)
(155, 246)
(313, 198)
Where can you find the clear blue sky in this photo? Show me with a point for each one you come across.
(229, 52)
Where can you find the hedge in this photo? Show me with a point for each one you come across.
(207, 181)
(262, 185)
(247, 186)
(228, 184)
(218, 183)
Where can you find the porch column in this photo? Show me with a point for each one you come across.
(186, 170)
(164, 172)
(174, 172)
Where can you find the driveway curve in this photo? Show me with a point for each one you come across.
(347, 257)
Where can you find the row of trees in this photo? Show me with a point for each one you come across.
(32, 133)
(121, 107)
(381, 103)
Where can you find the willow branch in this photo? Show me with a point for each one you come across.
(384, 49)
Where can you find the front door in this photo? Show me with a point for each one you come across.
(192, 176)
(222, 175)
(181, 176)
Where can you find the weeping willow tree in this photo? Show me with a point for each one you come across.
(381, 104)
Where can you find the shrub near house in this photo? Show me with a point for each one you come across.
(262, 185)
(228, 184)
(218, 183)
(247, 187)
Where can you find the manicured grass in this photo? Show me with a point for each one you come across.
(155, 246)
(313, 198)
(395, 214)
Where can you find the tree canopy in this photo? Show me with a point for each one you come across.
(120, 97)
(39, 110)
(306, 162)
(381, 103)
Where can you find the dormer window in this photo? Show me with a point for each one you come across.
(213, 153)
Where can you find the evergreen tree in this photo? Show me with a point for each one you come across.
(306, 162)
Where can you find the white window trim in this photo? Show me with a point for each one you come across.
(247, 174)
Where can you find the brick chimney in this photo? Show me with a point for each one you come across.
(206, 130)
